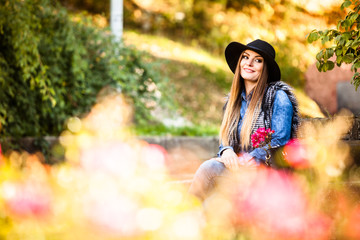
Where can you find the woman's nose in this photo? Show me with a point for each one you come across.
(249, 62)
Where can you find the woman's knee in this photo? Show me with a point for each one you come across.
(205, 178)
(212, 166)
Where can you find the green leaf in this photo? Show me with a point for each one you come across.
(313, 37)
(324, 40)
(355, 66)
(347, 23)
(348, 43)
(355, 44)
(348, 58)
(338, 24)
(346, 36)
(328, 53)
(318, 66)
(339, 60)
(356, 80)
(320, 55)
(338, 52)
(345, 4)
(354, 16)
(329, 65)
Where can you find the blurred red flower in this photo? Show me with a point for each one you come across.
(273, 205)
(352, 228)
(27, 199)
(154, 156)
(295, 154)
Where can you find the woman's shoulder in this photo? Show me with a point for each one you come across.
(279, 85)
(283, 88)
(280, 91)
(281, 97)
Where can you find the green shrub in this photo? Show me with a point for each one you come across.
(52, 66)
(162, 130)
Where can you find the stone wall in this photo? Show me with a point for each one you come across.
(352, 135)
(187, 153)
(322, 86)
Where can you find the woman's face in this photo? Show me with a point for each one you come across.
(251, 65)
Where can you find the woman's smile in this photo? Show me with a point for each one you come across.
(248, 70)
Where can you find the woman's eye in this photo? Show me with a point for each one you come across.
(245, 57)
(258, 60)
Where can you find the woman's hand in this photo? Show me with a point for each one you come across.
(234, 162)
(247, 160)
(230, 159)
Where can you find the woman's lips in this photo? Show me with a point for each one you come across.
(248, 70)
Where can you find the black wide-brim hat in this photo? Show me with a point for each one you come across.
(234, 50)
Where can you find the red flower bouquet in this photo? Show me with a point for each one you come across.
(262, 138)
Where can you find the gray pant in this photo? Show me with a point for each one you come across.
(206, 177)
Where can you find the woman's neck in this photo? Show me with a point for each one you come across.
(249, 86)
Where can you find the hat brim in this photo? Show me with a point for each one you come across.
(234, 50)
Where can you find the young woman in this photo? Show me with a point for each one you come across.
(257, 99)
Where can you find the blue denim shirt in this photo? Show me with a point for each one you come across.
(280, 123)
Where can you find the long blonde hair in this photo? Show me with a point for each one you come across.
(228, 129)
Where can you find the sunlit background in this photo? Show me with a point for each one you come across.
(192, 35)
(102, 180)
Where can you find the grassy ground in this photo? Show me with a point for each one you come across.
(200, 81)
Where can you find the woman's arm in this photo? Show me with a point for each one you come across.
(280, 123)
(222, 149)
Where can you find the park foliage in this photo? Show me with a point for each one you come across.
(345, 42)
(54, 62)
(53, 66)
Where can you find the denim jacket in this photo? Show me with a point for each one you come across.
(280, 123)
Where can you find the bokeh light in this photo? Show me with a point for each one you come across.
(114, 186)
